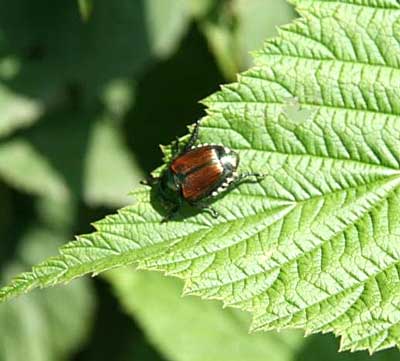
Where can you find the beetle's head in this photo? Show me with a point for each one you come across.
(169, 188)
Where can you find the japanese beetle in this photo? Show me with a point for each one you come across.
(198, 173)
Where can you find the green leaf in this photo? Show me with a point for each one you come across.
(85, 8)
(234, 28)
(203, 331)
(220, 29)
(16, 111)
(109, 174)
(156, 304)
(257, 20)
(316, 245)
(42, 163)
(166, 22)
(113, 44)
(44, 326)
(199, 8)
(22, 166)
(118, 97)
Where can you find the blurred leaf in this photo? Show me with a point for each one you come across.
(23, 167)
(46, 326)
(86, 8)
(166, 22)
(75, 58)
(220, 29)
(62, 139)
(16, 111)
(111, 171)
(57, 214)
(200, 8)
(316, 244)
(128, 344)
(258, 20)
(68, 155)
(9, 66)
(325, 346)
(224, 46)
(118, 97)
(234, 27)
(188, 329)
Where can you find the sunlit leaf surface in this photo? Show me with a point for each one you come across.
(316, 245)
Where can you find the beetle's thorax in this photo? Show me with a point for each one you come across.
(169, 187)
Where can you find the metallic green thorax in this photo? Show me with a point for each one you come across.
(170, 189)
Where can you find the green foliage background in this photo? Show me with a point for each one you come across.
(88, 91)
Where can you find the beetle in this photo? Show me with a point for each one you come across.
(197, 174)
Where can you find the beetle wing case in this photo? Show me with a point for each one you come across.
(202, 170)
(202, 182)
(193, 159)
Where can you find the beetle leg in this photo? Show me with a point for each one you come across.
(193, 137)
(206, 208)
(172, 213)
(246, 177)
(212, 211)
